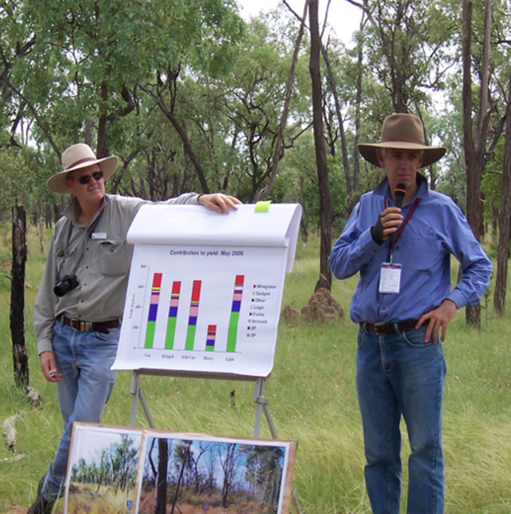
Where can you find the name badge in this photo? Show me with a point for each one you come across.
(98, 235)
(390, 278)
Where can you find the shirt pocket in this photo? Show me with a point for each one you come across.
(113, 258)
(425, 252)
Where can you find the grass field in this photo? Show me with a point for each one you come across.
(312, 400)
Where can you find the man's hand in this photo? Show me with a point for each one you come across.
(390, 220)
(49, 368)
(439, 317)
(219, 202)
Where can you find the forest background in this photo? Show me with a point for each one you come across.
(192, 97)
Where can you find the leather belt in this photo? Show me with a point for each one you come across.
(89, 326)
(389, 328)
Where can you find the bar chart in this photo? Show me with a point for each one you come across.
(157, 285)
(200, 317)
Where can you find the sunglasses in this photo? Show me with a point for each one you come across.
(85, 179)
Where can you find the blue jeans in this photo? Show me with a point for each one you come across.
(84, 359)
(399, 374)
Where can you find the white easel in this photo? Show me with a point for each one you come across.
(259, 398)
(238, 262)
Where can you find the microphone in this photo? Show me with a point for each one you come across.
(399, 196)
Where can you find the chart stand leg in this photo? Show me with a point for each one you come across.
(260, 400)
(263, 406)
(138, 394)
(134, 388)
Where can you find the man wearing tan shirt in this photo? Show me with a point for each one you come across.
(79, 306)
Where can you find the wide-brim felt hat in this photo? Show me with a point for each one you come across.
(402, 132)
(76, 157)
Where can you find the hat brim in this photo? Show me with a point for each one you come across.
(431, 153)
(57, 182)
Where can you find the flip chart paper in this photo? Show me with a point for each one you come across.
(205, 290)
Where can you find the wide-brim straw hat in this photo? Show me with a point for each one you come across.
(77, 157)
(402, 132)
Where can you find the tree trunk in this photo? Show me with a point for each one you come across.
(344, 146)
(161, 477)
(277, 153)
(101, 147)
(182, 134)
(358, 102)
(474, 147)
(48, 216)
(499, 297)
(178, 485)
(17, 319)
(325, 276)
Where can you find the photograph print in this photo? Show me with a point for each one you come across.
(197, 474)
(102, 470)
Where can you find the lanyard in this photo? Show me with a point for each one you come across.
(403, 225)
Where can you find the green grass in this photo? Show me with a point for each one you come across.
(312, 400)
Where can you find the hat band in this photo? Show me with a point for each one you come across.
(402, 140)
(76, 163)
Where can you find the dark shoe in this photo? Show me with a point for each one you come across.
(41, 506)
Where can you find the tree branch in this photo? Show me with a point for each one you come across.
(182, 134)
(9, 84)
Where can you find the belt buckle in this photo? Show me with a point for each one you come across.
(85, 326)
(74, 324)
(80, 326)
(378, 329)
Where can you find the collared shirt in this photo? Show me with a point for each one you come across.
(100, 260)
(436, 230)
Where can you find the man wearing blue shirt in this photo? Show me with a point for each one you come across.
(403, 303)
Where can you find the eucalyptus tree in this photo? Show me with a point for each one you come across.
(340, 132)
(229, 456)
(501, 148)
(16, 43)
(325, 275)
(485, 63)
(16, 182)
(183, 464)
(79, 76)
(252, 98)
(206, 45)
(499, 298)
(264, 468)
(407, 47)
